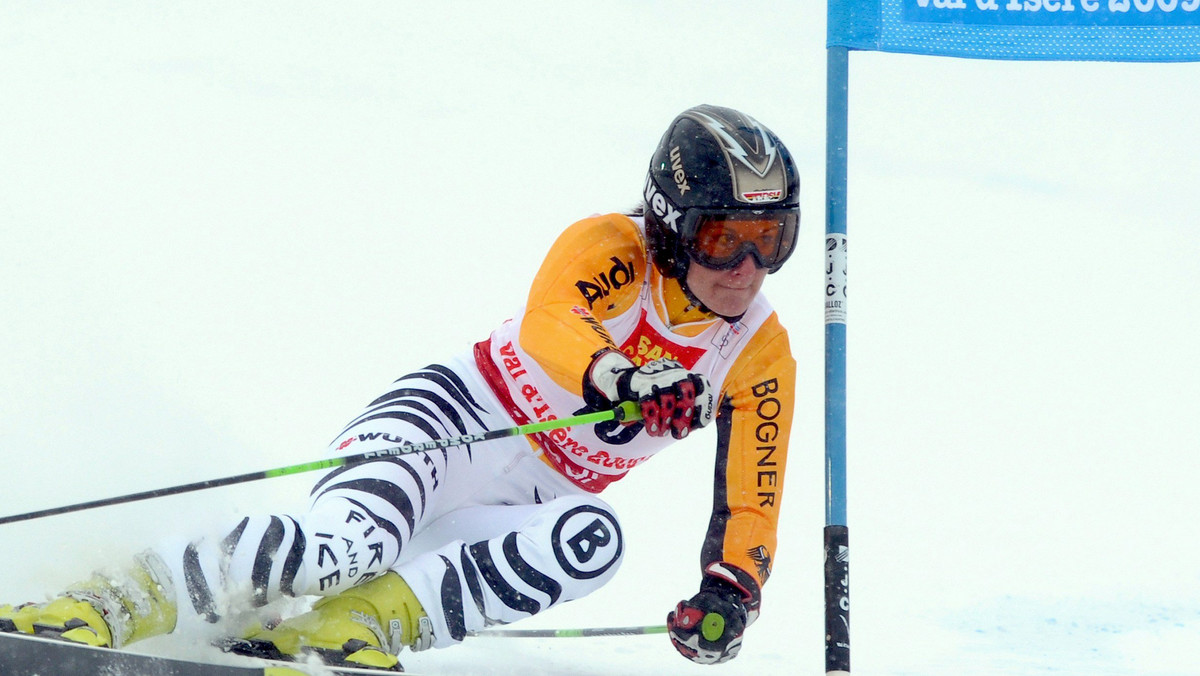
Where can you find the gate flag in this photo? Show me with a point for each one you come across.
(1059, 30)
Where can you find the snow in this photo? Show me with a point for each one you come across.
(224, 225)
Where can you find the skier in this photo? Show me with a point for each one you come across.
(661, 307)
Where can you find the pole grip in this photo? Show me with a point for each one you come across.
(837, 600)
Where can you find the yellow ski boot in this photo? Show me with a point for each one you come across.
(106, 611)
(364, 626)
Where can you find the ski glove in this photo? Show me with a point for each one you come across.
(707, 628)
(672, 399)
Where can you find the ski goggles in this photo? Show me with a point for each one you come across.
(722, 239)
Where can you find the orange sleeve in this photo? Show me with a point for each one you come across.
(593, 271)
(753, 425)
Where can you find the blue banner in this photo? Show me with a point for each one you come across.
(1061, 30)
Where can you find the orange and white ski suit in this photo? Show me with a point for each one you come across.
(597, 289)
(490, 533)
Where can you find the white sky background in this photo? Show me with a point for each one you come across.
(224, 226)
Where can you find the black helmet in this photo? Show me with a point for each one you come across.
(719, 165)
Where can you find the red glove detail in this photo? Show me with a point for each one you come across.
(708, 627)
(672, 399)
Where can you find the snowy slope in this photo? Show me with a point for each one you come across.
(224, 226)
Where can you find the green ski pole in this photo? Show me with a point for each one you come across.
(626, 411)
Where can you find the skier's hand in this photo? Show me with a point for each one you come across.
(671, 398)
(708, 627)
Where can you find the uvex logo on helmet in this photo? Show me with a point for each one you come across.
(679, 174)
(657, 202)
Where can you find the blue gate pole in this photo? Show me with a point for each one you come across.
(837, 552)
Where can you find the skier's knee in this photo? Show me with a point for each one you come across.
(587, 540)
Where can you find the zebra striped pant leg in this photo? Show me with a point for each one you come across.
(360, 517)
(396, 496)
(337, 544)
(553, 553)
(254, 562)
